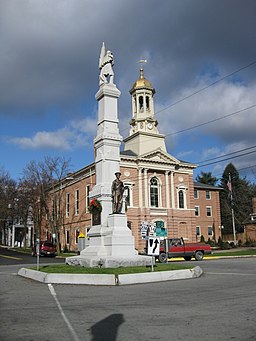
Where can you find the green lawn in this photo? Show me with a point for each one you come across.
(69, 269)
(234, 252)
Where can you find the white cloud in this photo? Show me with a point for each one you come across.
(77, 133)
(225, 98)
(44, 140)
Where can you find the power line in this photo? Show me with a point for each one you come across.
(229, 158)
(206, 87)
(208, 122)
(221, 156)
(212, 121)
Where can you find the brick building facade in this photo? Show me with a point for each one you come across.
(160, 188)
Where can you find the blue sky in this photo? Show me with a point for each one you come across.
(49, 76)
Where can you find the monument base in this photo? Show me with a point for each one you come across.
(110, 246)
(109, 261)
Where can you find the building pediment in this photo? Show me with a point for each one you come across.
(160, 156)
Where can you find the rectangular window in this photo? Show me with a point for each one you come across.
(87, 197)
(128, 192)
(77, 234)
(67, 236)
(196, 194)
(210, 231)
(208, 211)
(208, 195)
(197, 211)
(77, 202)
(198, 233)
(67, 204)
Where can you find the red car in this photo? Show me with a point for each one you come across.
(47, 248)
(178, 248)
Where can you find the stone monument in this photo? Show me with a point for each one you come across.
(110, 242)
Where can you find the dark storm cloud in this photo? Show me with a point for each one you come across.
(50, 49)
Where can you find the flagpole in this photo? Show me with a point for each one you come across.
(232, 210)
(234, 226)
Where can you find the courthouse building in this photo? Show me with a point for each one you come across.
(160, 188)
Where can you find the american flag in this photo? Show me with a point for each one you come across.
(229, 185)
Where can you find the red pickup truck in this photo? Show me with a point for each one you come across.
(178, 248)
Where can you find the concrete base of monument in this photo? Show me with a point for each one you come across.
(110, 246)
(109, 261)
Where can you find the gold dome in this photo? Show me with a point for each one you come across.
(142, 83)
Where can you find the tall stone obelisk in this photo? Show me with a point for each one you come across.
(108, 140)
(110, 242)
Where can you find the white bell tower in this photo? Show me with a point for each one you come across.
(144, 135)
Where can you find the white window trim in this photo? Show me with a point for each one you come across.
(159, 187)
(210, 207)
(130, 185)
(67, 232)
(199, 228)
(184, 190)
(67, 205)
(210, 195)
(197, 210)
(77, 201)
(210, 227)
(87, 197)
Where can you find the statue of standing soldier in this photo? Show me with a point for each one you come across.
(117, 193)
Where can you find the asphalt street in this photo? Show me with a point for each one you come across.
(220, 305)
(10, 257)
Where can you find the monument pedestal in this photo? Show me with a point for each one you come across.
(110, 246)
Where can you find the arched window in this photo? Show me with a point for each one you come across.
(181, 198)
(147, 102)
(135, 103)
(154, 195)
(141, 103)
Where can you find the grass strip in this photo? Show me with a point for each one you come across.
(68, 269)
(248, 252)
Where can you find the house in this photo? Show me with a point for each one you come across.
(207, 211)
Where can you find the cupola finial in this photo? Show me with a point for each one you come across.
(141, 61)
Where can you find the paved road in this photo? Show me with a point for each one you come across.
(220, 305)
(10, 257)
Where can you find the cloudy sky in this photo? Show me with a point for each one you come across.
(201, 60)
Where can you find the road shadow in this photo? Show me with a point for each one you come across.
(106, 330)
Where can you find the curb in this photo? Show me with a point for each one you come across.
(104, 279)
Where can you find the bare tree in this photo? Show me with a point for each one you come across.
(47, 178)
(25, 205)
(8, 194)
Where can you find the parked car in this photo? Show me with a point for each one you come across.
(178, 248)
(47, 248)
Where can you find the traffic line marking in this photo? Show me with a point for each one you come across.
(53, 293)
(11, 257)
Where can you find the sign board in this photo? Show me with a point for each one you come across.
(153, 246)
(152, 230)
(144, 230)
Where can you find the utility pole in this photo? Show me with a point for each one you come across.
(229, 185)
